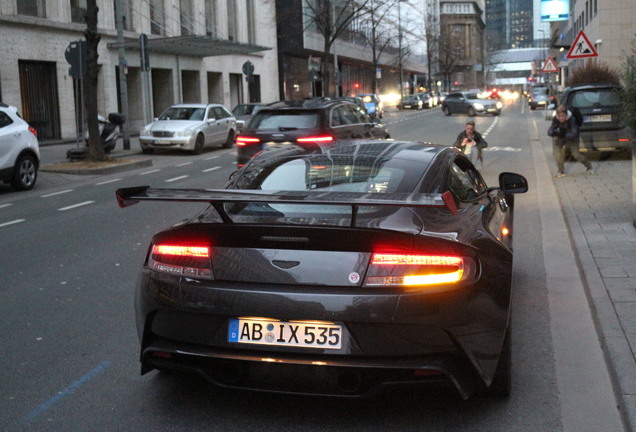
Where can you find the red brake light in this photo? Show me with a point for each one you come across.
(322, 138)
(243, 140)
(33, 131)
(416, 270)
(181, 260)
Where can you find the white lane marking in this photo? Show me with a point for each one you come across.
(176, 178)
(212, 169)
(149, 172)
(184, 164)
(6, 205)
(107, 181)
(11, 222)
(485, 134)
(212, 157)
(56, 193)
(508, 149)
(76, 205)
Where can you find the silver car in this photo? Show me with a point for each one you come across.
(190, 127)
(470, 103)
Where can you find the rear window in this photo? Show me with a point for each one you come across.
(594, 98)
(540, 90)
(286, 120)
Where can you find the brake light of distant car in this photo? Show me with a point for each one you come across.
(244, 140)
(415, 270)
(33, 131)
(323, 138)
(188, 260)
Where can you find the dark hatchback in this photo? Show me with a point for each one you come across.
(345, 271)
(308, 122)
(599, 106)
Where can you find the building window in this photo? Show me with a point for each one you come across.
(127, 15)
(186, 17)
(78, 11)
(251, 22)
(157, 18)
(31, 8)
(232, 27)
(210, 18)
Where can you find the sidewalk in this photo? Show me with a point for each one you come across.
(597, 211)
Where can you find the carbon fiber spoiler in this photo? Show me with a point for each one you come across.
(217, 197)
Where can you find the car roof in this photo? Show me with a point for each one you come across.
(310, 103)
(594, 86)
(193, 105)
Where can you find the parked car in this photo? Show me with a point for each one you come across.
(244, 113)
(598, 105)
(470, 103)
(411, 102)
(19, 150)
(375, 107)
(307, 122)
(190, 127)
(540, 97)
(365, 267)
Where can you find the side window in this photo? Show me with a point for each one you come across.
(356, 115)
(5, 120)
(211, 113)
(465, 182)
(342, 114)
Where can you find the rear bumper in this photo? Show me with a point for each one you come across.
(606, 140)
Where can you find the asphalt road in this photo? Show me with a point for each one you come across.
(69, 348)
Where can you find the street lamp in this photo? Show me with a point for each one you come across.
(400, 49)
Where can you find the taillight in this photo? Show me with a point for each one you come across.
(413, 270)
(181, 260)
(322, 138)
(244, 140)
(33, 131)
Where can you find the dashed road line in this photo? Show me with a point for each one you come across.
(13, 222)
(56, 193)
(176, 178)
(184, 164)
(212, 169)
(107, 181)
(75, 205)
(5, 205)
(212, 157)
(149, 172)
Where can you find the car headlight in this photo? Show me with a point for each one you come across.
(478, 106)
(499, 105)
(183, 133)
(145, 132)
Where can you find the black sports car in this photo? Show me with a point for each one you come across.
(345, 271)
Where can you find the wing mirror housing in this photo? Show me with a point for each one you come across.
(513, 183)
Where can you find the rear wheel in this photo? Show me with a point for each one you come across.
(25, 173)
(198, 145)
(230, 140)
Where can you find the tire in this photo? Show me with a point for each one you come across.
(446, 111)
(198, 145)
(25, 173)
(471, 112)
(229, 142)
(501, 384)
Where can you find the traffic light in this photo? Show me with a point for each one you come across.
(356, 86)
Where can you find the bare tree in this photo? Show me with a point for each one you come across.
(331, 18)
(376, 35)
(95, 150)
(449, 55)
(432, 37)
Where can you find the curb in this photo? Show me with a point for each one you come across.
(97, 168)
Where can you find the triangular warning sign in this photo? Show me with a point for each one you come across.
(549, 66)
(582, 47)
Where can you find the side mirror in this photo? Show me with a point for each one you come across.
(513, 183)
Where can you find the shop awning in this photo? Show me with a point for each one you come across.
(194, 46)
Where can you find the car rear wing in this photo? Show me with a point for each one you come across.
(218, 197)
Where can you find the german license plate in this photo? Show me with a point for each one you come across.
(270, 144)
(306, 334)
(161, 142)
(598, 118)
(541, 103)
(407, 106)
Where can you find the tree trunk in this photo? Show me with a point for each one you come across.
(326, 72)
(95, 151)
